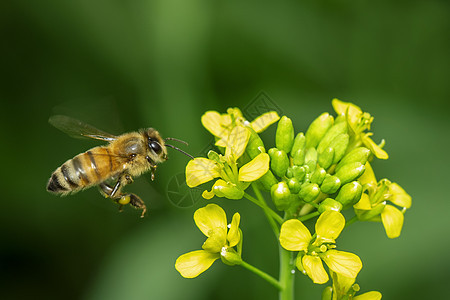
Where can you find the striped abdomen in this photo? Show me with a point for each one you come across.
(84, 170)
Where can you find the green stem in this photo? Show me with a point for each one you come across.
(351, 221)
(286, 274)
(309, 216)
(262, 274)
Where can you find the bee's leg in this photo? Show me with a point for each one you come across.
(152, 171)
(137, 203)
(114, 192)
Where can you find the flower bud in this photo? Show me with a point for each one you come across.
(339, 144)
(255, 145)
(289, 172)
(284, 138)
(309, 192)
(281, 195)
(327, 293)
(329, 204)
(299, 172)
(279, 163)
(350, 193)
(311, 155)
(318, 176)
(298, 157)
(268, 180)
(299, 143)
(318, 129)
(334, 131)
(326, 157)
(350, 172)
(360, 154)
(294, 185)
(330, 184)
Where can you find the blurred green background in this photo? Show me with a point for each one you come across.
(124, 65)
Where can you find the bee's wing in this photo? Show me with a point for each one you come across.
(77, 129)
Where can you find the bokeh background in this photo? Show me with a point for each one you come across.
(123, 65)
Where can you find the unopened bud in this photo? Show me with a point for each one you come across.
(360, 154)
(318, 129)
(329, 204)
(279, 162)
(339, 144)
(327, 293)
(309, 192)
(299, 172)
(255, 145)
(311, 155)
(294, 185)
(330, 184)
(350, 172)
(334, 131)
(318, 176)
(281, 195)
(298, 157)
(326, 157)
(299, 143)
(350, 193)
(284, 138)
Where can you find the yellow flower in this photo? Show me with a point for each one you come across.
(222, 125)
(343, 287)
(233, 180)
(212, 221)
(373, 204)
(358, 122)
(294, 236)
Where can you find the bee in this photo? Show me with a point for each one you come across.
(125, 157)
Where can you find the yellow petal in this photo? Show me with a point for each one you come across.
(207, 194)
(314, 268)
(294, 236)
(237, 142)
(234, 235)
(399, 196)
(329, 225)
(254, 169)
(341, 107)
(345, 263)
(216, 240)
(341, 284)
(265, 120)
(368, 176)
(212, 121)
(209, 218)
(200, 170)
(392, 219)
(374, 295)
(194, 263)
(363, 203)
(376, 150)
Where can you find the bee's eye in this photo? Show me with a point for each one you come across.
(155, 146)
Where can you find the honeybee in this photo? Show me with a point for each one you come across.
(126, 156)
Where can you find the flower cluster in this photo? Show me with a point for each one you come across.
(318, 173)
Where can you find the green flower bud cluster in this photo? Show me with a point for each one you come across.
(317, 166)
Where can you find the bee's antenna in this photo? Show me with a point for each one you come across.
(177, 140)
(176, 148)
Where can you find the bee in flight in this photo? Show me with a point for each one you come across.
(126, 156)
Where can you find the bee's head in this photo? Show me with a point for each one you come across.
(157, 151)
